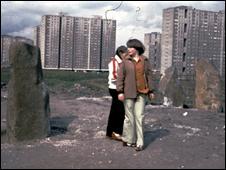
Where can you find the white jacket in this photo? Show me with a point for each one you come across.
(113, 67)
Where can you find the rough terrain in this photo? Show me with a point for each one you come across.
(175, 138)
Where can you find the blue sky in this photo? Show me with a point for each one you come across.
(134, 18)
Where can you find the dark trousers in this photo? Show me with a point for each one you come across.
(117, 114)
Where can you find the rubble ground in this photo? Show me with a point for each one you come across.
(175, 138)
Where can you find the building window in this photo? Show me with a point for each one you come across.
(184, 54)
(185, 42)
(185, 28)
(185, 13)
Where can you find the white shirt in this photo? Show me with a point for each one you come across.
(113, 67)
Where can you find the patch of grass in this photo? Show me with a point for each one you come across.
(90, 83)
(65, 81)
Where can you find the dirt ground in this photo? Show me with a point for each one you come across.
(175, 138)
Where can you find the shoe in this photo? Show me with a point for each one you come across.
(128, 144)
(139, 148)
(116, 136)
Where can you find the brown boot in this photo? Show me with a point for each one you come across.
(116, 136)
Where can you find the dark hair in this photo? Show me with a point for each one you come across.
(121, 49)
(137, 44)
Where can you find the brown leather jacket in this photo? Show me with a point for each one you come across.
(126, 82)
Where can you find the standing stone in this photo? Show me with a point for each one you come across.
(171, 88)
(208, 87)
(158, 99)
(28, 97)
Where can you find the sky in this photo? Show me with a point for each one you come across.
(133, 18)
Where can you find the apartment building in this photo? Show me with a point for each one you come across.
(152, 43)
(6, 41)
(189, 34)
(95, 43)
(108, 42)
(81, 43)
(50, 41)
(36, 38)
(76, 43)
(66, 52)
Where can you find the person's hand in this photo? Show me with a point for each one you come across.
(151, 96)
(121, 97)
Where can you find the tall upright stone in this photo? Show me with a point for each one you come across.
(171, 88)
(208, 87)
(28, 97)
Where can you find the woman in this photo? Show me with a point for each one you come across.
(133, 85)
(117, 112)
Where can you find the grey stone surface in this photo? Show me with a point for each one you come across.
(28, 98)
(208, 87)
(171, 88)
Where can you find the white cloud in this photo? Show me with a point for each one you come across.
(18, 17)
(26, 32)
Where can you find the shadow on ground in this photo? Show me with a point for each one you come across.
(151, 136)
(59, 124)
